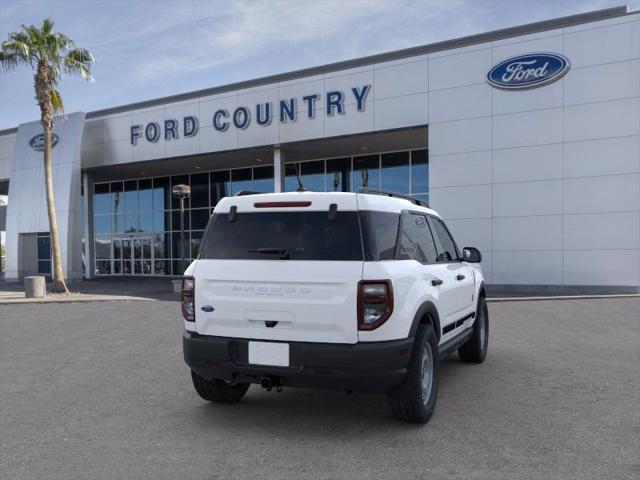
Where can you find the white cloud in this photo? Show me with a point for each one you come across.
(196, 36)
(193, 37)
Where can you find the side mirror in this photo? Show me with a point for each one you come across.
(471, 255)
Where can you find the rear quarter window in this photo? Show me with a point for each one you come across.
(379, 234)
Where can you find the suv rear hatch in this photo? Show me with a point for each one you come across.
(281, 267)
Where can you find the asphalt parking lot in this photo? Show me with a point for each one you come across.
(99, 390)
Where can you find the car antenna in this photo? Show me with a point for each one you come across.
(300, 185)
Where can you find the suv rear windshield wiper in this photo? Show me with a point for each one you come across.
(283, 252)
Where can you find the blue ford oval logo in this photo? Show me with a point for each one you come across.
(37, 142)
(207, 308)
(528, 71)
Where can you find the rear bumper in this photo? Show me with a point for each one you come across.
(373, 367)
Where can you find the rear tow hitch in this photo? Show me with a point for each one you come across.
(268, 383)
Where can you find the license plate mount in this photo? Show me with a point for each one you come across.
(269, 353)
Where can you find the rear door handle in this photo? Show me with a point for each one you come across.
(460, 277)
(436, 281)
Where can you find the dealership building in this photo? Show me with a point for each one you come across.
(526, 140)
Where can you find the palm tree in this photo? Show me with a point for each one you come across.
(50, 55)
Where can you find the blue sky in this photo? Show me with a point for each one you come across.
(149, 49)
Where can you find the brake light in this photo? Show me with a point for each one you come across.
(281, 204)
(188, 299)
(375, 303)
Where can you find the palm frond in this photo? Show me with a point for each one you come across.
(54, 73)
(34, 34)
(56, 101)
(20, 38)
(79, 61)
(19, 47)
(9, 61)
(80, 55)
(63, 42)
(47, 26)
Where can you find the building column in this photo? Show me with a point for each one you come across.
(3, 227)
(278, 170)
(87, 221)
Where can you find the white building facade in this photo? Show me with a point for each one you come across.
(526, 140)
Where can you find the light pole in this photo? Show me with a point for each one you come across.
(182, 192)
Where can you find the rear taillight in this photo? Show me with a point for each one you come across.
(375, 303)
(188, 299)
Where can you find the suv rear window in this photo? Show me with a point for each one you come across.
(277, 235)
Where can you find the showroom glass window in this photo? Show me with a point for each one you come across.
(137, 222)
(405, 172)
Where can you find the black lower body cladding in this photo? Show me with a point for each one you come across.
(373, 367)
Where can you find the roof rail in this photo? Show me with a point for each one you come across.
(242, 193)
(384, 193)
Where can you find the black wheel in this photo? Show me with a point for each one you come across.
(415, 398)
(218, 391)
(475, 349)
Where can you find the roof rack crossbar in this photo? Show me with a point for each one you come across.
(374, 191)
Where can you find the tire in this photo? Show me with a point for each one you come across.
(475, 349)
(218, 391)
(415, 398)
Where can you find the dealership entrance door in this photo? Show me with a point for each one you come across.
(133, 255)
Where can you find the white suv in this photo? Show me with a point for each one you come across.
(362, 292)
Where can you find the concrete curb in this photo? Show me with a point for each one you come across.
(560, 297)
(76, 299)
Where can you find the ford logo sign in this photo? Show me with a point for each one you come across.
(37, 142)
(528, 71)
